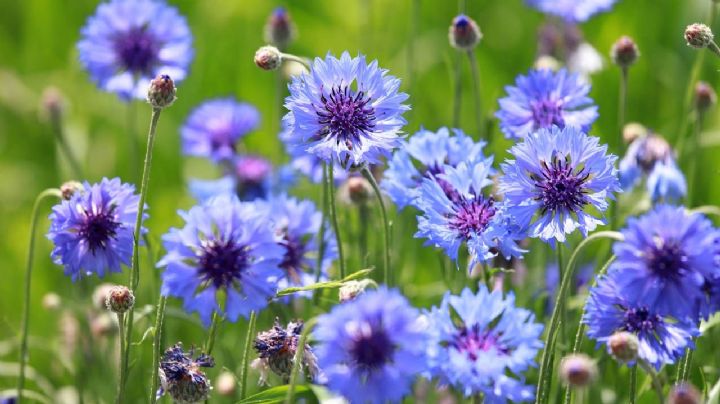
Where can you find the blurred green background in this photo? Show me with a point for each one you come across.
(37, 50)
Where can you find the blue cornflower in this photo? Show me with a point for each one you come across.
(425, 155)
(213, 128)
(651, 156)
(487, 348)
(297, 228)
(456, 211)
(545, 98)
(225, 246)
(181, 377)
(572, 11)
(93, 231)
(127, 43)
(371, 348)
(306, 163)
(665, 258)
(346, 110)
(557, 174)
(612, 308)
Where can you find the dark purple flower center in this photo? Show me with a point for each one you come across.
(98, 228)
(472, 341)
(222, 262)
(292, 261)
(547, 113)
(371, 347)
(472, 215)
(640, 319)
(346, 115)
(666, 259)
(561, 187)
(137, 50)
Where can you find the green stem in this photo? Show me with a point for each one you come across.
(212, 333)
(656, 383)
(633, 384)
(133, 140)
(321, 234)
(386, 224)
(694, 157)
(364, 217)
(123, 375)
(66, 150)
(157, 347)
(475, 70)
(706, 210)
(303, 61)
(329, 180)
(298, 359)
(28, 277)
(686, 364)
(246, 355)
(457, 99)
(622, 106)
(545, 375)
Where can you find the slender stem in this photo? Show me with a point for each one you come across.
(321, 234)
(686, 364)
(303, 61)
(333, 214)
(475, 70)
(457, 99)
(561, 264)
(713, 47)
(364, 217)
(706, 210)
(212, 333)
(622, 106)
(694, 157)
(157, 347)
(386, 224)
(133, 144)
(246, 355)
(67, 151)
(633, 384)
(548, 352)
(123, 342)
(28, 277)
(135, 269)
(656, 383)
(298, 359)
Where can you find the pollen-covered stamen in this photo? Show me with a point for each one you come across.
(560, 187)
(371, 347)
(666, 259)
(137, 50)
(547, 113)
(346, 115)
(292, 261)
(98, 228)
(472, 215)
(640, 319)
(472, 341)
(222, 262)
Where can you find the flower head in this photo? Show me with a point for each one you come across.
(572, 11)
(487, 349)
(611, 308)
(424, 155)
(455, 211)
(665, 258)
(464, 33)
(213, 129)
(346, 110)
(93, 230)
(225, 246)
(181, 376)
(543, 99)
(651, 156)
(371, 348)
(557, 175)
(277, 347)
(129, 42)
(305, 163)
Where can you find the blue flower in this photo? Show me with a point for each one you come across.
(213, 128)
(665, 258)
(93, 231)
(455, 211)
(487, 349)
(297, 227)
(545, 98)
(127, 43)
(424, 155)
(651, 156)
(346, 110)
(572, 11)
(371, 348)
(306, 163)
(225, 246)
(556, 176)
(612, 308)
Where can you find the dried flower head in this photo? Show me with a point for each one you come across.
(277, 347)
(181, 376)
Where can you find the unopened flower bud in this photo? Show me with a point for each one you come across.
(226, 384)
(578, 370)
(698, 35)
(52, 104)
(684, 393)
(356, 190)
(119, 299)
(623, 346)
(268, 58)
(632, 131)
(705, 96)
(51, 301)
(464, 33)
(624, 52)
(279, 29)
(352, 289)
(69, 189)
(161, 93)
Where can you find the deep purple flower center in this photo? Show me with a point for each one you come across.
(292, 261)
(472, 215)
(137, 50)
(371, 347)
(560, 187)
(222, 262)
(547, 113)
(346, 115)
(640, 319)
(666, 259)
(472, 341)
(98, 228)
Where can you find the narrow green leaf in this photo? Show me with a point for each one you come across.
(277, 395)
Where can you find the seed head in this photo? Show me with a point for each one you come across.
(684, 393)
(578, 370)
(698, 35)
(705, 96)
(624, 52)
(623, 346)
(119, 299)
(161, 93)
(464, 33)
(268, 58)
